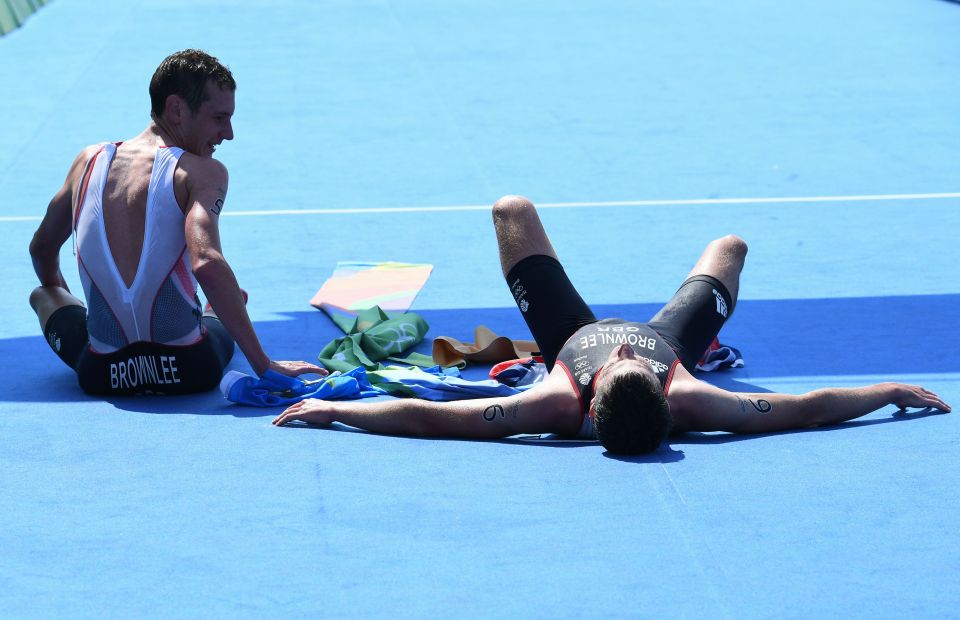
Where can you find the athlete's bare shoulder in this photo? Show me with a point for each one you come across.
(564, 399)
(85, 156)
(79, 166)
(197, 175)
(683, 397)
(196, 171)
(91, 150)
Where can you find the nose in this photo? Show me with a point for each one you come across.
(228, 131)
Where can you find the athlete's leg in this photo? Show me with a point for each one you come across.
(63, 319)
(221, 342)
(548, 301)
(696, 313)
(45, 300)
(519, 231)
(723, 259)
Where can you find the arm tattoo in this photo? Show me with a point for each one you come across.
(490, 413)
(762, 406)
(218, 204)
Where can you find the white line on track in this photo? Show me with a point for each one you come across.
(568, 205)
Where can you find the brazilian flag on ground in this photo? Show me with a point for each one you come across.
(371, 337)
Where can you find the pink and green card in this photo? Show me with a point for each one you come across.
(357, 285)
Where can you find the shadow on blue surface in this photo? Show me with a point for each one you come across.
(795, 337)
(663, 454)
(544, 441)
(887, 336)
(719, 438)
(667, 454)
(839, 336)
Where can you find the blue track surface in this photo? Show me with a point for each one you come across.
(189, 507)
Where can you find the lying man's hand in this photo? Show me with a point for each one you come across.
(310, 410)
(915, 396)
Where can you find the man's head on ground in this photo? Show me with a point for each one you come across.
(630, 410)
(192, 98)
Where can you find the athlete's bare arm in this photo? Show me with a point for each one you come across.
(699, 406)
(205, 181)
(547, 408)
(56, 226)
(54, 230)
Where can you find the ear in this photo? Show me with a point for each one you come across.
(173, 108)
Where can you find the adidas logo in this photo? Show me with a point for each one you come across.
(721, 304)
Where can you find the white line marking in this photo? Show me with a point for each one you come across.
(568, 205)
(20, 218)
(676, 489)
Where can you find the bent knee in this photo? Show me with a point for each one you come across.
(49, 296)
(732, 244)
(37, 296)
(512, 207)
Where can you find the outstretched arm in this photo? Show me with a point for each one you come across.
(534, 411)
(704, 407)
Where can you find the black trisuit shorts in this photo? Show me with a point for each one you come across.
(554, 310)
(141, 367)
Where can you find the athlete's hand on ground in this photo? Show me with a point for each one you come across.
(915, 396)
(310, 410)
(294, 369)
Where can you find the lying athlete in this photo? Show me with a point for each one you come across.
(627, 384)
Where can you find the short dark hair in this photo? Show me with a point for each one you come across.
(186, 74)
(631, 413)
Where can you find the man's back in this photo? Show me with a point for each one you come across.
(131, 247)
(125, 204)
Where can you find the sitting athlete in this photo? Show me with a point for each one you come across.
(628, 384)
(145, 213)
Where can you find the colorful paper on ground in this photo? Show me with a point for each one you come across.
(358, 285)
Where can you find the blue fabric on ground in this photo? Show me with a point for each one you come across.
(442, 384)
(276, 390)
(435, 383)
